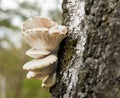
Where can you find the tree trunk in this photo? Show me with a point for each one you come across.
(89, 58)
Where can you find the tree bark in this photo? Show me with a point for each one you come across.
(89, 58)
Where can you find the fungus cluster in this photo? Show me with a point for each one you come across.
(44, 37)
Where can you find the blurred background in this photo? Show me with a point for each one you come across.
(13, 82)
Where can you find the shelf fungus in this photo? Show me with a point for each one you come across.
(44, 36)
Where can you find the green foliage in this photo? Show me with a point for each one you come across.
(32, 88)
(12, 58)
(56, 15)
(7, 23)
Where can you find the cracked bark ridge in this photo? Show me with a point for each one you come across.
(89, 58)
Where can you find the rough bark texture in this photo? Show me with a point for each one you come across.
(89, 58)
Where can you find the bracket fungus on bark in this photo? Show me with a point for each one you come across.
(44, 36)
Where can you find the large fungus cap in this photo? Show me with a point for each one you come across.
(43, 33)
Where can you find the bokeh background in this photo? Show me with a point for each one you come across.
(13, 82)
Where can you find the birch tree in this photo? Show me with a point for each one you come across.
(89, 58)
